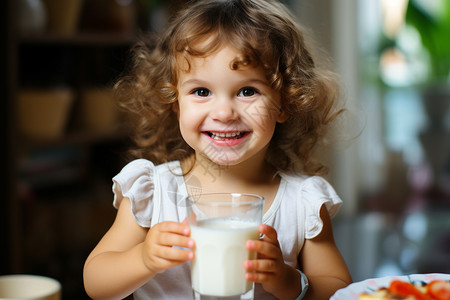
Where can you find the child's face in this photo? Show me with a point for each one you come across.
(227, 115)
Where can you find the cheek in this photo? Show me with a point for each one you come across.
(182, 112)
(185, 124)
(186, 130)
(189, 122)
(263, 115)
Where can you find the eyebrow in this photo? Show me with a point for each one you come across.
(193, 81)
(200, 82)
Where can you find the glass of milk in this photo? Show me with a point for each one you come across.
(221, 224)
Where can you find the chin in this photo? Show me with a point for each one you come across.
(224, 161)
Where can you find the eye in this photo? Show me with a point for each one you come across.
(247, 92)
(201, 92)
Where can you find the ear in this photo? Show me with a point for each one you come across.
(282, 116)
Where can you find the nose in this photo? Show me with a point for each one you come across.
(224, 110)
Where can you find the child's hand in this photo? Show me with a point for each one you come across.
(162, 246)
(269, 268)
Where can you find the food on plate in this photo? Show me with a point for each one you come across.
(397, 290)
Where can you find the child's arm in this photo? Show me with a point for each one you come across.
(320, 259)
(129, 255)
(323, 264)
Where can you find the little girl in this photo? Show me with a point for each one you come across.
(229, 99)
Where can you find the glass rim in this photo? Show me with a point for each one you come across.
(257, 199)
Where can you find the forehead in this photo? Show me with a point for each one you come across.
(186, 62)
(213, 48)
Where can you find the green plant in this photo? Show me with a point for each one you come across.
(434, 30)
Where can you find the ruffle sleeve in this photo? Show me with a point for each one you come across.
(136, 182)
(315, 192)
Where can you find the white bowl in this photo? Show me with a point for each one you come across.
(29, 287)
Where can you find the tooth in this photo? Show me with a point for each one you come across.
(226, 135)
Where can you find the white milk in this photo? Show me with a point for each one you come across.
(220, 252)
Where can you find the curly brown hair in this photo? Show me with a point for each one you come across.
(267, 35)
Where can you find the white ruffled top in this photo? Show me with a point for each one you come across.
(157, 193)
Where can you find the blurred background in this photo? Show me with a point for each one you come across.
(63, 138)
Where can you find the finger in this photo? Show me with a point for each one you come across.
(269, 234)
(173, 227)
(173, 239)
(173, 254)
(264, 249)
(258, 277)
(159, 258)
(261, 266)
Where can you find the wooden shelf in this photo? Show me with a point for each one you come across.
(52, 184)
(46, 178)
(79, 39)
(79, 137)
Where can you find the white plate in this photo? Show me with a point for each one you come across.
(352, 291)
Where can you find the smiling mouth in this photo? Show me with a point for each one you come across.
(226, 136)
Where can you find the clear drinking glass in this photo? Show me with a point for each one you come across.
(221, 224)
